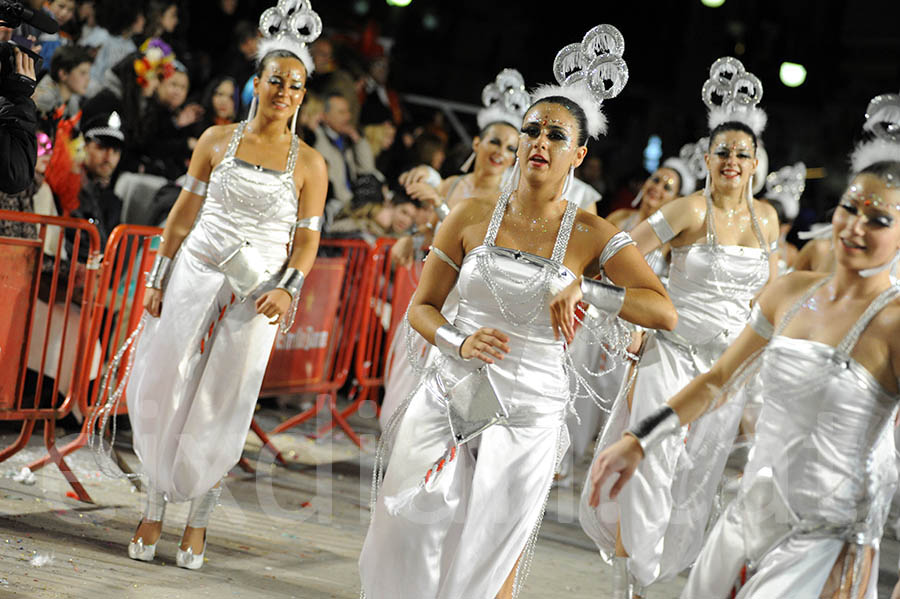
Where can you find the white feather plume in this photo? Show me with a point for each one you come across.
(497, 114)
(581, 95)
(286, 42)
(875, 150)
(755, 118)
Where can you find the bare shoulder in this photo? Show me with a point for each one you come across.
(887, 321)
(592, 231)
(473, 209)
(782, 292)
(619, 216)
(767, 215)
(310, 160)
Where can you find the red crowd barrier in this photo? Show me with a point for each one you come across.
(329, 371)
(48, 285)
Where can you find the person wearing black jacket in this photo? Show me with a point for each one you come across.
(18, 127)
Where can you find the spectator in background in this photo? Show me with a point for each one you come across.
(331, 78)
(381, 137)
(162, 19)
(117, 22)
(24, 200)
(70, 75)
(85, 20)
(392, 217)
(62, 12)
(220, 104)
(347, 154)
(379, 103)
(240, 62)
(591, 172)
(310, 118)
(97, 202)
(428, 148)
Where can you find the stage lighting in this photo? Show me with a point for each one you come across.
(398, 2)
(652, 153)
(792, 74)
(712, 3)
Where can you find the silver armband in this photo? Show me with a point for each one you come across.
(661, 227)
(655, 427)
(433, 178)
(603, 296)
(760, 324)
(194, 185)
(157, 275)
(442, 211)
(291, 281)
(449, 340)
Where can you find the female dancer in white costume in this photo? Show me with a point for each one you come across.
(493, 154)
(201, 358)
(813, 499)
(457, 527)
(601, 372)
(720, 259)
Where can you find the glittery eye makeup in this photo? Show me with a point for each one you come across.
(669, 183)
(742, 152)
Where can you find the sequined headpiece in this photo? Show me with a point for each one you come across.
(589, 73)
(732, 94)
(505, 100)
(689, 164)
(290, 25)
(786, 185)
(883, 121)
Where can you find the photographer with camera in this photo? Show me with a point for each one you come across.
(18, 120)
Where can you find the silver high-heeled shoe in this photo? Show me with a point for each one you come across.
(187, 559)
(198, 517)
(154, 511)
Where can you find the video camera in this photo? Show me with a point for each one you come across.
(13, 14)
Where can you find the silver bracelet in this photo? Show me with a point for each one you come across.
(442, 211)
(661, 227)
(194, 185)
(449, 340)
(291, 281)
(603, 296)
(655, 427)
(157, 275)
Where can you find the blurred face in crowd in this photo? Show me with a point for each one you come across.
(62, 10)
(658, 189)
(169, 19)
(101, 159)
(403, 217)
(248, 47)
(173, 90)
(87, 14)
(495, 148)
(337, 113)
(322, 54)
(223, 100)
(380, 70)
(5, 34)
(77, 79)
(281, 87)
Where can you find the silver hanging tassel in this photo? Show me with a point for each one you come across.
(568, 184)
(252, 112)
(637, 199)
(294, 121)
(468, 163)
(750, 190)
(871, 272)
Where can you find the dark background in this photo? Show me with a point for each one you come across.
(851, 50)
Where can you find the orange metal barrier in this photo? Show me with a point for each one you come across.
(341, 337)
(48, 286)
(128, 257)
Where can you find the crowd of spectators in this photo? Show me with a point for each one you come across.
(148, 76)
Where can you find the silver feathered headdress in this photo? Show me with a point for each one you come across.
(732, 93)
(589, 73)
(883, 121)
(505, 100)
(289, 25)
(786, 185)
(689, 164)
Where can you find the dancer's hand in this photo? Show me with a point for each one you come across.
(153, 301)
(485, 344)
(424, 193)
(562, 310)
(273, 304)
(896, 593)
(637, 339)
(403, 252)
(415, 175)
(622, 458)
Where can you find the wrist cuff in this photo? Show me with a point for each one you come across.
(157, 275)
(442, 211)
(449, 340)
(291, 281)
(655, 427)
(603, 296)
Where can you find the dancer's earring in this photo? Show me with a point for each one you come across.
(294, 121)
(511, 178)
(750, 189)
(706, 187)
(871, 272)
(637, 199)
(568, 184)
(253, 105)
(468, 163)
